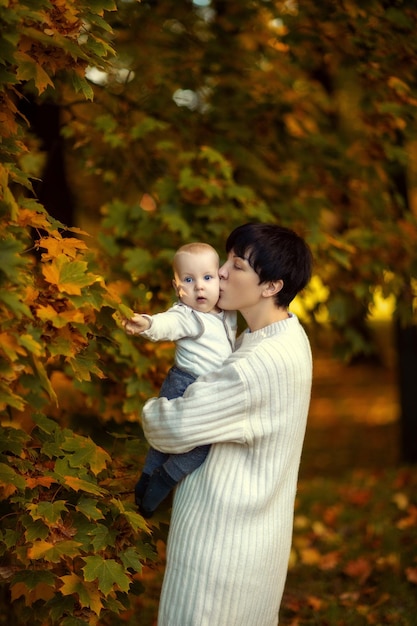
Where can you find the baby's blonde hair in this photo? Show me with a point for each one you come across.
(193, 248)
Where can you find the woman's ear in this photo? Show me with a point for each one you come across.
(272, 288)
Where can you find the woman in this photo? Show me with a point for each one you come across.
(231, 526)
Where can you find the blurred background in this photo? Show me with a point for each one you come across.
(142, 125)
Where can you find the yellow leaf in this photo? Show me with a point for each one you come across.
(401, 500)
(57, 245)
(78, 484)
(35, 219)
(87, 592)
(310, 556)
(59, 320)
(10, 346)
(68, 276)
(53, 552)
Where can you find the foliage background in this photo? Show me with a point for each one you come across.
(128, 129)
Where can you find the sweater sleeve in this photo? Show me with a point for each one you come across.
(176, 323)
(212, 410)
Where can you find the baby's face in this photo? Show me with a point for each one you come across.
(196, 280)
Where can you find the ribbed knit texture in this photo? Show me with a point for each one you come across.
(231, 526)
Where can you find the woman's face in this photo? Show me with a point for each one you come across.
(239, 285)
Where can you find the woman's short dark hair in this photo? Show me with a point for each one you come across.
(275, 253)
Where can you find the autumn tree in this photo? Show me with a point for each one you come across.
(71, 540)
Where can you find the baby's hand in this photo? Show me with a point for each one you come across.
(136, 324)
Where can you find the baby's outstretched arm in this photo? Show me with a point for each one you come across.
(136, 324)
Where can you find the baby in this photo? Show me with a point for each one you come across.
(204, 336)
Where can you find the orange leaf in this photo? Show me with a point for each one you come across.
(40, 481)
(330, 560)
(315, 603)
(42, 591)
(410, 520)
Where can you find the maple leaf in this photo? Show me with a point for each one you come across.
(53, 552)
(54, 246)
(35, 219)
(39, 481)
(79, 484)
(87, 592)
(11, 347)
(28, 69)
(131, 560)
(67, 275)
(42, 591)
(59, 320)
(10, 481)
(107, 572)
(86, 452)
(88, 507)
(47, 511)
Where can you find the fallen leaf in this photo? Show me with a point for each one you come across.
(411, 575)
(359, 568)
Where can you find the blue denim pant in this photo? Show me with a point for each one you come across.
(177, 466)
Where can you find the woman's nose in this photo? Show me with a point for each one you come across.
(223, 271)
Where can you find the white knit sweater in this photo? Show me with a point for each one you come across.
(231, 526)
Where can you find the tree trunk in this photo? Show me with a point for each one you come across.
(406, 337)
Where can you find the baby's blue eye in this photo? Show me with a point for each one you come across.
(188, 279)
(208, 277)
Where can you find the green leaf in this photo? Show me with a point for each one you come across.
(99, 6)
(86, 452)
(138, 261)
(81, 484)
(44, 380)
(13, 302)
(29, 342)
(35, 530)
(11, 259)
(135, 520)
(102, 537)
(13, 440)
(10, 538)
(88, 507)
(44, 423)
(48, 511)
(82, 85)
(107, 572)
(32, 578)
(131, 560)
(84, 364)
(10, 478)
(8, 398)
